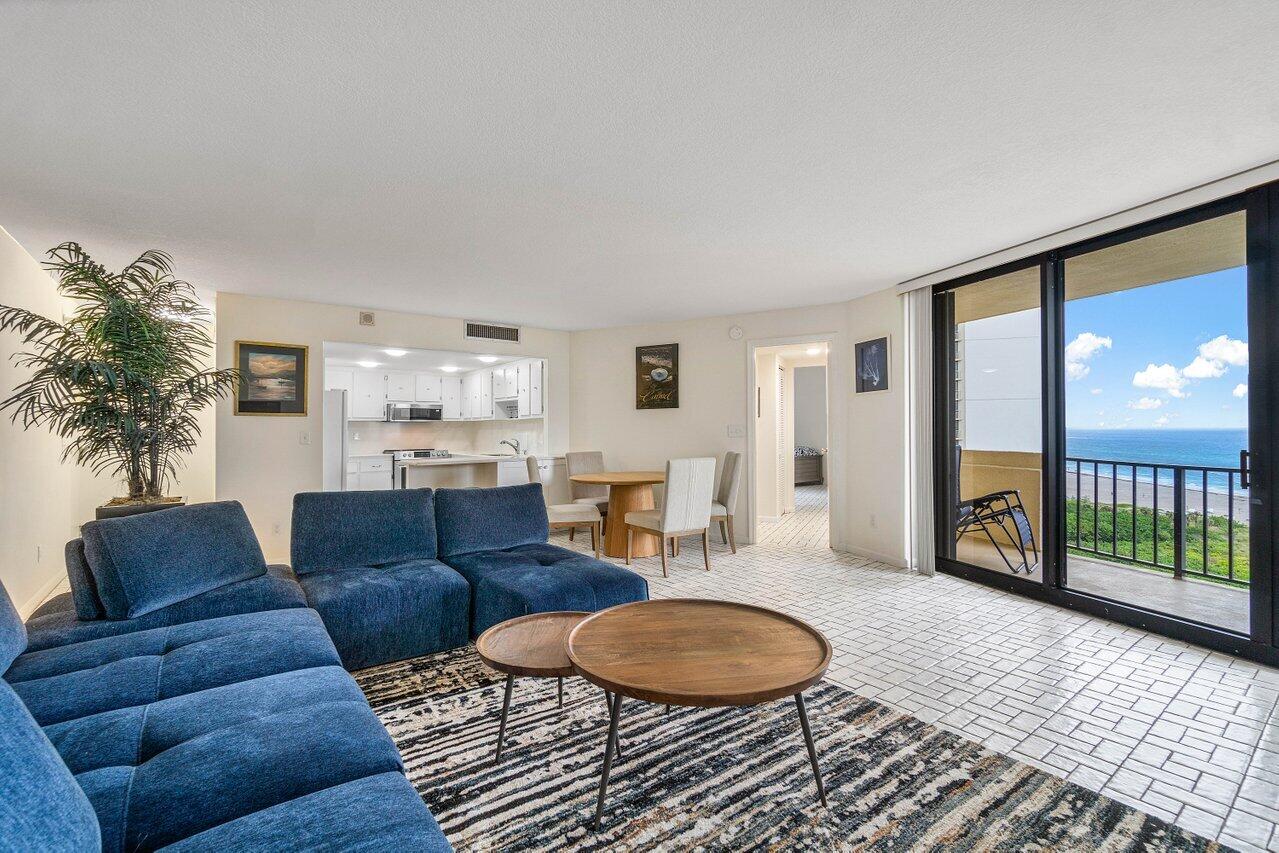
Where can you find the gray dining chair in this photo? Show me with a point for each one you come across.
(685, 511)
(570, 516)
(725, 504)
(587, 462)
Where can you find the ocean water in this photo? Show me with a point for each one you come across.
(1217, 448)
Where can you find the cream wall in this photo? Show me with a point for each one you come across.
(43, 500)
(869, 485)
(264, 461)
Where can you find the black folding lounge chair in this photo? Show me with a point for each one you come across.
(1002, 511)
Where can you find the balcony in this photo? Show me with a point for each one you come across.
(1168, 538)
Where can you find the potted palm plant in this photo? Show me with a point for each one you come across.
(123, 378)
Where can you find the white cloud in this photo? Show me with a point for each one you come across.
(1083, 347)
(1204, 368)
(1095, 392)
(1241, 390)
(1162, 377)
(1215, 357)
(1227, 350)
(1145, 403)
(1162, 420)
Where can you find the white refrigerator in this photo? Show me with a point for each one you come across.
(334, 437)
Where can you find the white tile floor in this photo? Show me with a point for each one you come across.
(1174, 730)
(806, 527)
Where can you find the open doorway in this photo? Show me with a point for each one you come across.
(790, 471)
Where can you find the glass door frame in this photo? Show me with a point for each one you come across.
(1262, 642)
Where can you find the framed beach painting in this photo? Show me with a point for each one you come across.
(657, 377)
(871, 361)
(272, 378)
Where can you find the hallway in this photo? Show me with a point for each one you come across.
(808, 527)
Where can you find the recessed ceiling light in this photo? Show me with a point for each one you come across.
(814, 350)
(450, 368)
(396, 353)
(487, 359)
(990, 370)
(369, 364)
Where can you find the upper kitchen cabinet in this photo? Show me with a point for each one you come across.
(339, 379)
(529, 388)
(399, 386)
(428, 388)
(452, 397)
(367, 400)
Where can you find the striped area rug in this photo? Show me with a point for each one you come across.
(723, 779)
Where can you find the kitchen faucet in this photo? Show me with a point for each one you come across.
(513, 443)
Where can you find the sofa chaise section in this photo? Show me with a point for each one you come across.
(237, 733)
(367, 562)
(497, 539)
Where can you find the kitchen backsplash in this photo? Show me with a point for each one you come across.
(368, 438)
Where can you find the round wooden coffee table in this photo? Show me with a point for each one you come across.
(628, 491)
(533, 646)
(700, 653)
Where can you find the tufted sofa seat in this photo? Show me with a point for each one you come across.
(496, 539)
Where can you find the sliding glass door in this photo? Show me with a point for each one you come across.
(1104, 429)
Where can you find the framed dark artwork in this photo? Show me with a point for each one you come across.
(871, 363)
(657, 377)
(272, 379)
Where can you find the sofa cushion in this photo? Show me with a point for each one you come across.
(55, 623)
(339, 530)
(385, 613)
(84, 592)
(13, 634)
(141, 563)
(132, 735)
(472, 520)
(237, 770)
(86, 678)
(540, 579)
(380, 812)
(41, 806)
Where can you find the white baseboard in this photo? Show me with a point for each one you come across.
(895, 562)
(41, 595)
(769, 518)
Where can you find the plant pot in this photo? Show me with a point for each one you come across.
(122, 510)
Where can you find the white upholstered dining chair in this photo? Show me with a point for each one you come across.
(572, 515)
(730, 484)
(587, 462)
(686, 508)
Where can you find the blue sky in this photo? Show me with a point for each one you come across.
(1190, 330)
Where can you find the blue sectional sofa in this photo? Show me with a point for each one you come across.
(496, 539)
(239, 731)
(184, 696)
(366, 561)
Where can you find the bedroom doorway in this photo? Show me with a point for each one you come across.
(790, 448)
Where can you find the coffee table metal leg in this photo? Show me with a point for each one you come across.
(808, 742)
(610, 745)
(561, 690)
(608, 701)
(506, 709)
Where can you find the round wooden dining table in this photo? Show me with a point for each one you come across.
(628, 491)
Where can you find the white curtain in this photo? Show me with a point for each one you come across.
(919, 420)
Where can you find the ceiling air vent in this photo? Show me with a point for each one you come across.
(366, 318)
(492, 332)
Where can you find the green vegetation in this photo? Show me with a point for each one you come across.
(1117, 528)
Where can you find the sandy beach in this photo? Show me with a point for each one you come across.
(1218, 503)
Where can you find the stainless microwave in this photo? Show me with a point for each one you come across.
(414, 412)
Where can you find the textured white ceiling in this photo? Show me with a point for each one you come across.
(579, 165)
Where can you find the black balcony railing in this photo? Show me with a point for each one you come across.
(1186, 519)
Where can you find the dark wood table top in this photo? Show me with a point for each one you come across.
(698, 652)
(533, 645)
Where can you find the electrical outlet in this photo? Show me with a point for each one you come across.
(275, 528)
(736, 431)
(304, 438)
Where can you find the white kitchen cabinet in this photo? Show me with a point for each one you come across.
(367, 401)
(512, 472)
(485, 410)
(399, 386)
(339, 379)
(535, 387)
(522, 388)
(427, 388)
(499, 382)
(371, 474)
(452, 397)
